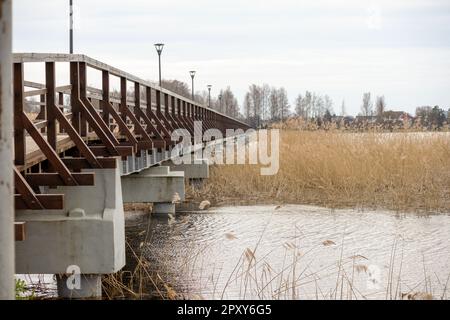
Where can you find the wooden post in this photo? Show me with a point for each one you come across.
(123, 99)
(19, 131)
(50, 103)
(83, 95)
(105, 99)
(75, 95)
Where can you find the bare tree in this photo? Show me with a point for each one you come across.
(248, 106)
(265, 98)
(366, 107)
(283, 103)
(380, 106)
(300, 106)
(178, 87)
(228, 104)
(328, 104)
(274, 105)
(343, 111)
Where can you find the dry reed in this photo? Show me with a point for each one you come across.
(398, 171)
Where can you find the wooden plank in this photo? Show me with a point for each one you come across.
(40, 124)
(81, 163)
(27, 194)
(35, 85)
(64, 89)
(48, 201)
(53, 179)
(145, 145)
(50, 153)
(33, 93)
(19, 231)
(102, 151)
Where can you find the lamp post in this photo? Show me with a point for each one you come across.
(220, 103)
(159, 48)
(209, 95)
(192, 73)
(71, 27)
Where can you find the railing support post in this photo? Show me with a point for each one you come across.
(7, 260)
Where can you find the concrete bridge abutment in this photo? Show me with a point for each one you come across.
(81, 242)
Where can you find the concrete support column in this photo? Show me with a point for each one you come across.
(6, 155)
(85, 286)
(163, 208)
(157, 185)
(81, 242)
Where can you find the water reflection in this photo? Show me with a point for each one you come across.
(297, 252)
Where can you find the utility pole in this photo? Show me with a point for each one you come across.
(71, 27)
(7, 259)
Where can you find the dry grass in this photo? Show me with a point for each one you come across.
(403, 171)
(253, 277)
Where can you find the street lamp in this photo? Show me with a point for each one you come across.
(71, 27)
(209, 95)
(159, 48)
(192, 73)
(220, 103)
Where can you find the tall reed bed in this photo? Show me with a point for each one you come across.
(399, 171)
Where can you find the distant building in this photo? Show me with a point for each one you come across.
(366, 119)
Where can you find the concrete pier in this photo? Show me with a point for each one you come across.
(85, 286)
(6, 155)
(89, 234)
(158, 185)
(195, 170)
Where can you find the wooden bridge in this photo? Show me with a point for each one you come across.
(83, 152)
(80, 127)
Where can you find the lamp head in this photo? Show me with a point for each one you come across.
(159, 47)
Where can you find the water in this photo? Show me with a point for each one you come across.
(299, 252)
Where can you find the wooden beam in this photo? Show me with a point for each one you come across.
(53, 179)
(50, 103)
(81, 163)
(48, 201)
(102, 151)
(50, 153)
(27, 194)
(33, 93)
(19, 131)
(75, 137)
(19, 231)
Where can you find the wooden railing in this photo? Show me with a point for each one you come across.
(94, 127)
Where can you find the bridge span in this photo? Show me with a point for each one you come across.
(84, 153)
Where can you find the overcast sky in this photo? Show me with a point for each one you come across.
(397, 48)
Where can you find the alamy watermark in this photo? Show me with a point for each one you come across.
(236, 147)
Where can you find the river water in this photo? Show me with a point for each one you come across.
(298, 252)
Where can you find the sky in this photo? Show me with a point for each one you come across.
(399, 49)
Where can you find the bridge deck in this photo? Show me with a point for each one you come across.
(35, 155)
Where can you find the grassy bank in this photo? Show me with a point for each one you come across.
(401, 171)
